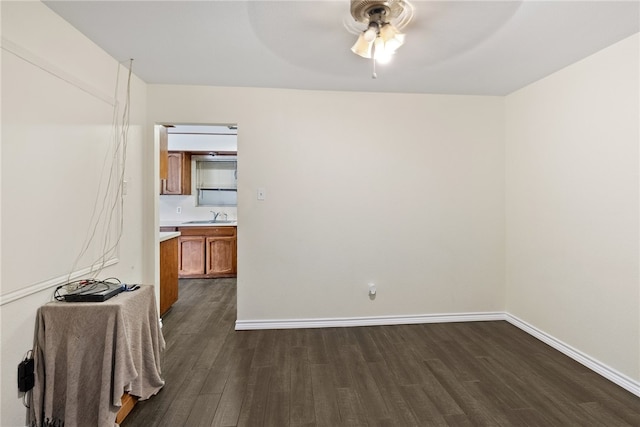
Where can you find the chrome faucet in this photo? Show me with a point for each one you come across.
(217, 214)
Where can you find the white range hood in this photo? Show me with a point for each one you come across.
(202, 138)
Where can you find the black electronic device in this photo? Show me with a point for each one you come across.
(26, 378)
(94, 292)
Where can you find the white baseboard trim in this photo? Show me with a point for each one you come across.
(598, 367)
(612, 375)
(341, 322)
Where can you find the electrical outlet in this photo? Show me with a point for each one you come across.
(373, 291)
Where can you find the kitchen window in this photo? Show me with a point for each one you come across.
(216, 181)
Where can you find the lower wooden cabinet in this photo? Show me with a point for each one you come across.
(191, 255)
(207, 252)
(221, 256)
(168, 274)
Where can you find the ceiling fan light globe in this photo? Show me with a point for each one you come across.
(381, 53)
(370, 34)
(383, 58)
(389, 32)
(362, 47)
(393, 44)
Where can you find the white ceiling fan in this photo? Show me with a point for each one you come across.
(383, 21)
(315, 34)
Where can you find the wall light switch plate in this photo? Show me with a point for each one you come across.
(262, 194)
(179, 209)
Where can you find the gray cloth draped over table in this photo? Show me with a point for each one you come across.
(88, 354)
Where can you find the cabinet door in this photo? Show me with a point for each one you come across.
(221, 256)
(179, 173)
(168, 274)
(191, 255)
(164, 153)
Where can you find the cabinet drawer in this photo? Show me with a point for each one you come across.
(222, 231)
(208, 231)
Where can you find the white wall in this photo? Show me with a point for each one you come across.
(188, 210)
(56, 121)
(572, 206)
(403, 190)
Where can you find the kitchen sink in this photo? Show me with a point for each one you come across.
(211, 221)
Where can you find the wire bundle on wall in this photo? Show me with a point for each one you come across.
(109, 199)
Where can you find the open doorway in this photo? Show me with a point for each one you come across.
(197, 206)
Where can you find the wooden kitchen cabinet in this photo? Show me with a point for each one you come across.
(168, 274)
(191, 255)
(178, 173)
(221, 256)
(164, 152)
(208, 252)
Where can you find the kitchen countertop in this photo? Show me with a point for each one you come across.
(210, 224)
(167, 235)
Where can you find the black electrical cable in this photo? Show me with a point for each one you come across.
(85, 286)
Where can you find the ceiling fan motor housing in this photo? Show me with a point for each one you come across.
(361, 10)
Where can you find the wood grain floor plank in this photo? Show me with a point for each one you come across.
(398, 358)
(352, 413)
(460, 392)
(441, 397)
(528, 417)
(340, 359)
(368, 348)
(318, 352)
(277, 409)
(424, 409)
(279, 398)
(622, 403)
(393, 391)
(302, 405)
(179, 410)
(203, 410)
(254, 405)
(601, 415)
(265, 347)
(371, 399)
(326, 410)
(234, 391)
(458, 420)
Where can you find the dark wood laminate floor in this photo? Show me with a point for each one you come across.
(454, 374)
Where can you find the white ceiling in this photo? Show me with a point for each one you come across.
(453, 47)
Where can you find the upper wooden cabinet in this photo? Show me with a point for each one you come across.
(164, 152)
(179, 173)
